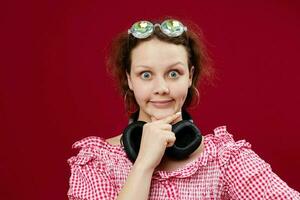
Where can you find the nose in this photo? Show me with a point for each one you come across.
(161, 87)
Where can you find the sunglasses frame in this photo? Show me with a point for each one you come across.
(143, 29)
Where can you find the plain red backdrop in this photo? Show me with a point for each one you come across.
(55, 89)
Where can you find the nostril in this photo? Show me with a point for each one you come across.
(163, 90)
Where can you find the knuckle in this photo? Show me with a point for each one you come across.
(147, 125)
(172, 135)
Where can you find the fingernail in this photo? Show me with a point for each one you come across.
(178, 113)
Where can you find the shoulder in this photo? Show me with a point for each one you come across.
(92, 169)
(222, 139)
(246, 174)
(94, 148)
(223, 145)
(114, 140)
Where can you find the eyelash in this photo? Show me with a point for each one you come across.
(177, 71)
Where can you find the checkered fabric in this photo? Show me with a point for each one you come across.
(226, 169)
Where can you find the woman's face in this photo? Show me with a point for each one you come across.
(159, 78)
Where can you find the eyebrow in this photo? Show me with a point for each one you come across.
(172, 65)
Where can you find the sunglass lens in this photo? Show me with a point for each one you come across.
(142, 29)
(172, 28)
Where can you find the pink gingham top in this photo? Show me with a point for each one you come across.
(226, 169)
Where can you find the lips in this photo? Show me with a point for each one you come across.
(161, 103)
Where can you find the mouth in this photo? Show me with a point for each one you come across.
(161, 103)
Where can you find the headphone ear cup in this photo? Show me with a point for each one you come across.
(188, 139)
(131, 139)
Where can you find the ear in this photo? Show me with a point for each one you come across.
(191, 74)
(129, 81)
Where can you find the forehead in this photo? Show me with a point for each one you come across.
(155, 52)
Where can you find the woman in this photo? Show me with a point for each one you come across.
(158, 67)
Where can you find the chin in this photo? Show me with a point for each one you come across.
(163, 113)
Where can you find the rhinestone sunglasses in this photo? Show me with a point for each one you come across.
(170, 27)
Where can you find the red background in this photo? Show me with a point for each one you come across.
(55, 90)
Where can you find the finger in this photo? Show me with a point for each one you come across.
(163, 126)
(170, 138)
(167, 120)
(171, 118)
(169, 144)
(166, 127)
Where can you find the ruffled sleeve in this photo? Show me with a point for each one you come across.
(246, 174)
(89, 178)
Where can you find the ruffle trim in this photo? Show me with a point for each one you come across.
(92, 148)
(219, 146)
(226, 146)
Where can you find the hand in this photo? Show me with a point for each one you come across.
(156, 137)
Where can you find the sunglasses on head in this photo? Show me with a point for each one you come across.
(170, 27)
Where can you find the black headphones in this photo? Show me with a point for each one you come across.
(188, 137)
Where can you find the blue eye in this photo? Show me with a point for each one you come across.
(146, 75)
(173, 74)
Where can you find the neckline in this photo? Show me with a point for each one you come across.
(191, 167)
(193, 161)
(111, 145)
(186, 170)
(114, 145)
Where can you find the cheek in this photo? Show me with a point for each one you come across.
(180, 93)
(141, 93)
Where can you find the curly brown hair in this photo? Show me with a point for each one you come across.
(119, 59)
